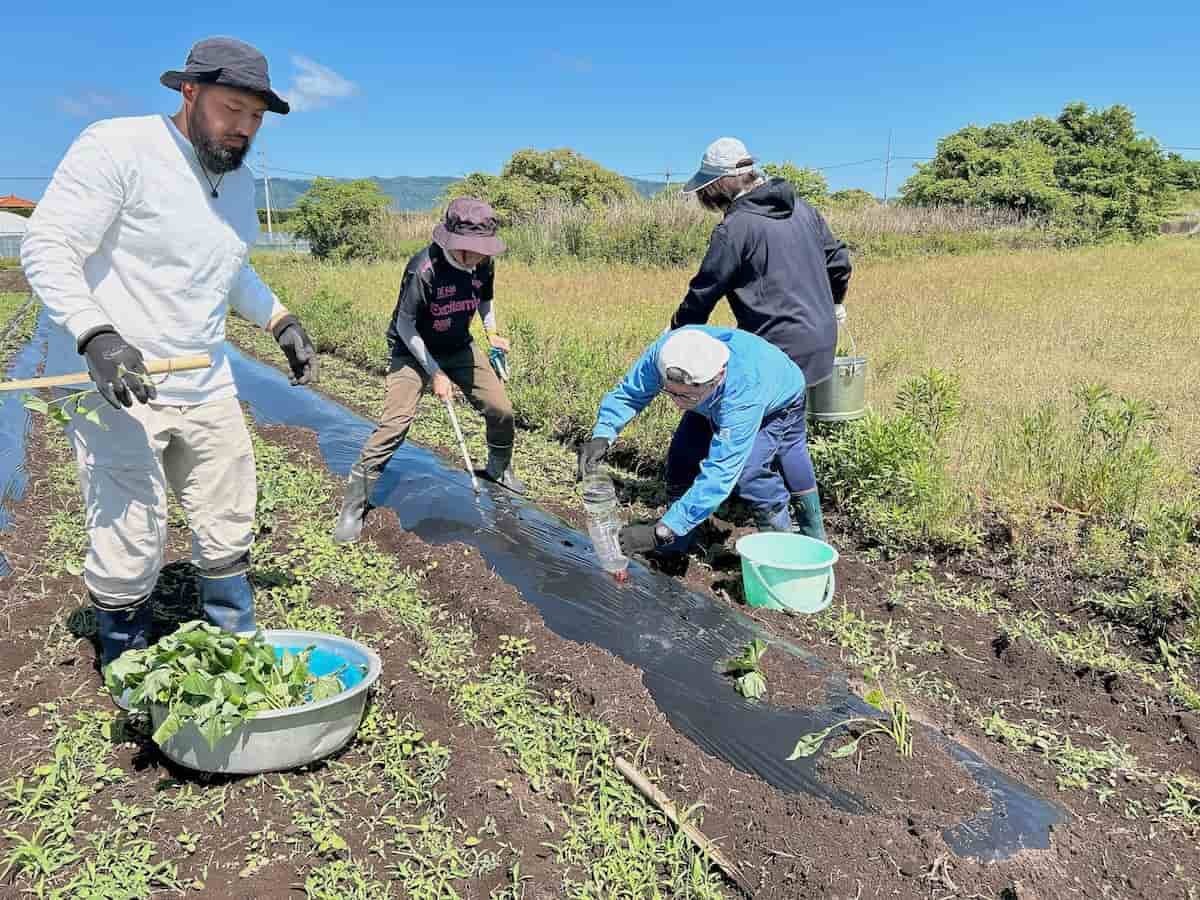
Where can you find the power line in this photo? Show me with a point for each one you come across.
(846, 165)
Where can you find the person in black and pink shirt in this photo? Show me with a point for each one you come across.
(443, 288)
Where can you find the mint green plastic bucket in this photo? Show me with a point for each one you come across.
(787, 571)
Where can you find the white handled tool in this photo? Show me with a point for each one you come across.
(462, 445)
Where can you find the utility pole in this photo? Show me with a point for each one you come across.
(887, 167)
(266, 186)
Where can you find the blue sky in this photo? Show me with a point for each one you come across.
(445, 89)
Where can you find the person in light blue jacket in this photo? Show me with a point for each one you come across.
(753, 396)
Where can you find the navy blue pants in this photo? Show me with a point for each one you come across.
(779, 464)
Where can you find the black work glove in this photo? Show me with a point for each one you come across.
(642, 537)
(116, 367)
(591, 453)
(299, 350)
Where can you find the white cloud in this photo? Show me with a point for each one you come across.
(316, 85)
(86, 103)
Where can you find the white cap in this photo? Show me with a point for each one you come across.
(720, 159)
(692, 356)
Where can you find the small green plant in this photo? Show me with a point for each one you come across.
(933, 400)
(751, 683)
(63, 409)
(215, 679)
(892, 475)
(1103, 465)
(897, 727)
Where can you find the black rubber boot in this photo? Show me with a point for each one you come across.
(499, 469)
(355, 505)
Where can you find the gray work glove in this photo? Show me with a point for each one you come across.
(839, 313)
(116, 367)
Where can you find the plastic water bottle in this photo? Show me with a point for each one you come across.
(604, 522)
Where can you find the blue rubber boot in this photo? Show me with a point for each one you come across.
(122, 629)
(808, 515)
(118, 630)
(227, 597)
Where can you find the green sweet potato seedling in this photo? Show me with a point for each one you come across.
(215, 679)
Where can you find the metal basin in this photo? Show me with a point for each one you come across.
(279, 739)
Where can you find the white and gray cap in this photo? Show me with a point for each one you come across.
(720, 159)
(691, 356)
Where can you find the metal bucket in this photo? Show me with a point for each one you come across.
(279, 739)
(842, 396)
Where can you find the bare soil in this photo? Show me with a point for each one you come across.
(793, 845)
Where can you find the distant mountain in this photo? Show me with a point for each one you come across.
(408, 192)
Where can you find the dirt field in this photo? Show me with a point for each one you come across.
(485, 766)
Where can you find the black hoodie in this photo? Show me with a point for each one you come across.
(782, 269)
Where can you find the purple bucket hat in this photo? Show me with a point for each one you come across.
(470, 224)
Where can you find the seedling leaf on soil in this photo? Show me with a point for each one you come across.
(897, 727)
(215, 679)
(751, 683)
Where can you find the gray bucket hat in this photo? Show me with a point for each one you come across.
(227, 61)
(720, 159)
(470, 224)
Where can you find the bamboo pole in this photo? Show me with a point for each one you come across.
(153, 367)
(663, 802)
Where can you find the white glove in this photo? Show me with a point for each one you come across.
(839, 313)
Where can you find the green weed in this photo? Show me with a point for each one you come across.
(45, 806)
(891, 474)
(344, 880)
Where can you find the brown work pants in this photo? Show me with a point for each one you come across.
(470, 370)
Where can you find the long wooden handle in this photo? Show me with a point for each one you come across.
(153, 367)
(663, 802)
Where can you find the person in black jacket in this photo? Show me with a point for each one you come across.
(443, 288)
(785, 275)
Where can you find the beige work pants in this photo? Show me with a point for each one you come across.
(125, 465)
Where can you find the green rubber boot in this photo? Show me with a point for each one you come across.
(807, 511)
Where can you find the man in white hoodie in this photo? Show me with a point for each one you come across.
(139, 247)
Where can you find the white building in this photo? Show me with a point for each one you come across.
(12, 230)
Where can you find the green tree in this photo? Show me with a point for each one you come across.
(581, 179)
(1088, 172)
(533, 178)
(851, 198)
(1185, 173)
(340, 219)
(809, 184)
(514, 198)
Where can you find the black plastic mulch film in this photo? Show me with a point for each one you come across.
(674, 636)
